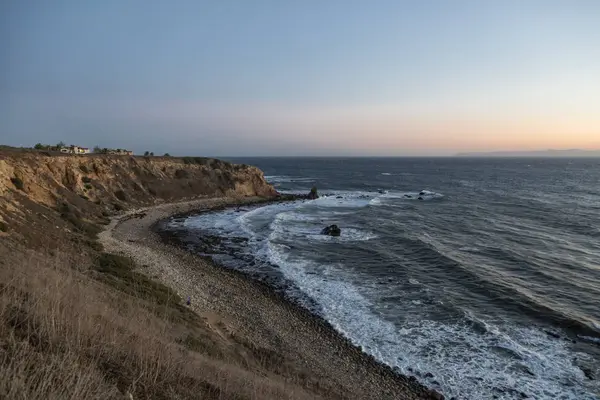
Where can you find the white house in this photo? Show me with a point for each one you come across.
(75, 150)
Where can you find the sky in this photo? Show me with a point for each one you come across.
(279, 78)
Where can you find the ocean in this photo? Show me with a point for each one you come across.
(480, 277)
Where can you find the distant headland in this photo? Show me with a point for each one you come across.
(536, 153)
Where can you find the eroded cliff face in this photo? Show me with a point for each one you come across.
(93, 187)
(130, 181)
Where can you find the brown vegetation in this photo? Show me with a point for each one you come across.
(76, 322)
(64, 334)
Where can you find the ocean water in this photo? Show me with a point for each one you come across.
(481, 277)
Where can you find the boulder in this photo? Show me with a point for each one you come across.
(313, 195)
(331, 230)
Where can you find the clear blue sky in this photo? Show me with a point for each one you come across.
(301, 77)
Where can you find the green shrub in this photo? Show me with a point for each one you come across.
(119, 272)
(87, 186)
(3, 227)
(119, 194)
(18, 183)
(201, 343)
(86, 179)
(195, 160)
(79, 224)
(181, 174)
(84, 169)
(96, 245)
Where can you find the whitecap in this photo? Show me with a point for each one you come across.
(469, 249)
(465, 363)
(287, 179)
(589, 338)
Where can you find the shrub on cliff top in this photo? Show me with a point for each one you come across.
(194, 160)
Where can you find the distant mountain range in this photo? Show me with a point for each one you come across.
(537, 153)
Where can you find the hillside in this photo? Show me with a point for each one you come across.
(77, 322)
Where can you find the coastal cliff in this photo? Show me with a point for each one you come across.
(60, 195)
(122, 181)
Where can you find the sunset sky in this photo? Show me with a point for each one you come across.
(230, 78)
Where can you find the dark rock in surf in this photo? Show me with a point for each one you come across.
(554, 335)
(313, 195)
(588, 373)
(420, 198)
(435, 395)
(422, 193)
(331, 230)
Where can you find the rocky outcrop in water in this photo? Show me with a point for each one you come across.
(313, 195)
(331, 230)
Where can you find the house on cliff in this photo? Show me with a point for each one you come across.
(74, 150)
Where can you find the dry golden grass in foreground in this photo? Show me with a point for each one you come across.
(66, 335)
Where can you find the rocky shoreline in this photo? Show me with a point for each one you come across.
(251, 310)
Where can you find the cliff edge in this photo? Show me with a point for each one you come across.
(124, 181)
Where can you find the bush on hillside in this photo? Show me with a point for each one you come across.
(181, 174)
(119, 194)
(194, 160)
(18, 183)
(119, 272)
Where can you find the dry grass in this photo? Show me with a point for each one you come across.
(65, 335)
